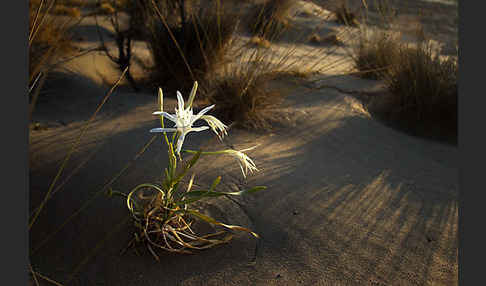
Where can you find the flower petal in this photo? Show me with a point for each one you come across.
(166, 115)
(180, 101)
(251, 148)
(153, 130)
(245, 162)
(216, 125)
(242, 171)
(180, 141)
(201, 113)
(197, 129)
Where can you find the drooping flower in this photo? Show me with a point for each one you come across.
(217, 126)
(245, 162)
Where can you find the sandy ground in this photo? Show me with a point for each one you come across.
(349, 200)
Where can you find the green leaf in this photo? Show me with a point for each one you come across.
(167, 178)
(216, 194)
(172, 160)
(211, 220)
(195, 196)
(194, 159)
(188, 166)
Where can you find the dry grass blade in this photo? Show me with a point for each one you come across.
(36, 94)
(181, 52)
(73, 148)
(34, 83)
(165, 228)
(35, 28)
(50, 42)
(93, 252)
(96, 195)
(34, 276)
(80, 165)
(47, 279)
(181, 237)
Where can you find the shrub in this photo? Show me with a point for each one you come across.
(425, 85)
(422, 86)
(375, 53)
(244, 101)
(192, 50)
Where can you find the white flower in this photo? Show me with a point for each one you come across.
(217, 126)
(243, 160)
(183, 119)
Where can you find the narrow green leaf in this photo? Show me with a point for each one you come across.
(255, 189)
(211, 220)
(195, 196)
(167, 175)
(188, 166)
(172, 190)
(190, 200)
(194, 159)
(172, 160)
(216, 194)
(206, 193)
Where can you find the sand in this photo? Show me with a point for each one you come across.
(350, 201)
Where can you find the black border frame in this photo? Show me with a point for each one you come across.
(14, 118)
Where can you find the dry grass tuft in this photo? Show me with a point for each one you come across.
(425, 85)
(192, 50)
(375, 53)
(48, 42)
(422, 86)
(244, 101)
(235, 75)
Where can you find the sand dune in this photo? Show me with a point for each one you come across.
(349, 200)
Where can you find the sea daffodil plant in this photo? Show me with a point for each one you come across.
(164, 219)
